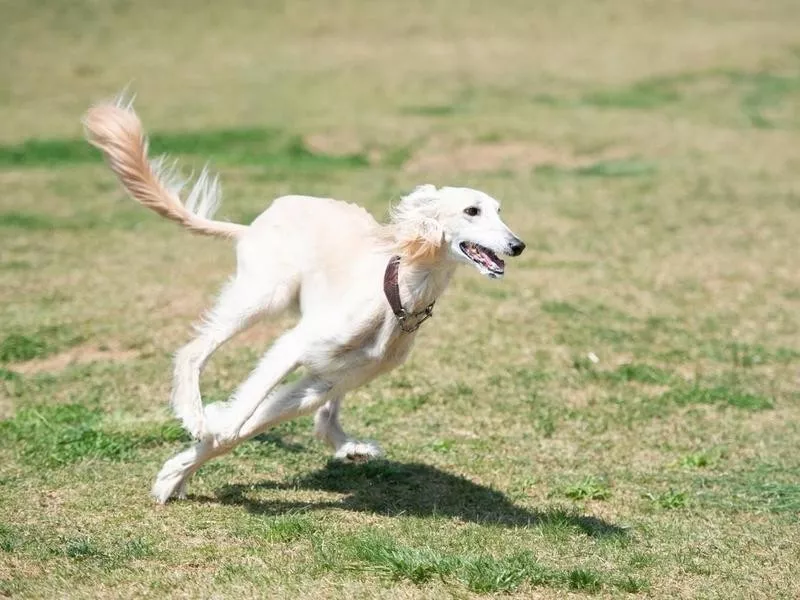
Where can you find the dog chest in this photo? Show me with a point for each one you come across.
(371, 351)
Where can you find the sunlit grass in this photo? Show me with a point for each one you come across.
(617, 417)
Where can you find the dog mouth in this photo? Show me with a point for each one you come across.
(484, 259)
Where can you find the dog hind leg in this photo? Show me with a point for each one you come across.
(239, 302)
(286, 402)
(328, 429)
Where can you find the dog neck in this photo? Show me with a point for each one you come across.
(424, 271)
(422, 283)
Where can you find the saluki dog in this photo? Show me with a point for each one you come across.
(362, 289)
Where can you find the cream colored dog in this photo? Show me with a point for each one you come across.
(361, 288)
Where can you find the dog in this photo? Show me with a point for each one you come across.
(362, 290)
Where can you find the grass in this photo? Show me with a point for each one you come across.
(668, 500)
(478, 573)
(762, 96)
(590, 488)
(55, 436)
(18, 346)
(616, 418)
(717, 395)
(605, 168)
(263, 147)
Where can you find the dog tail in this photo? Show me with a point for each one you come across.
(115, 128)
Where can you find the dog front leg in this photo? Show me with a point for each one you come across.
(294, 400)
(225, 420)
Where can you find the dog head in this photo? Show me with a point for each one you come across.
(458, 224)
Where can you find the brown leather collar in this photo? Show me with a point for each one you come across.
(409, 322)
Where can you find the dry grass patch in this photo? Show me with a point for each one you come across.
(478, 157)
(80, 355)
(647, 154)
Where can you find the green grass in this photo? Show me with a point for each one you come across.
(640, 373)
(605, 168)
(54, 436)
(724, 395)
(30, 221)
(279, 529)
(590, 488)
(617, 418)
(764, 92)
(22, 346)
(112, 553)
(265, 148)
(647, 94)
(478, 573)
(669, 500)
(9, 541)
(697, 460)
(762, 488)
(762, 95)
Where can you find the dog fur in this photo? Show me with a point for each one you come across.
(321, 256)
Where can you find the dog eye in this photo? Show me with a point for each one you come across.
(472, 211)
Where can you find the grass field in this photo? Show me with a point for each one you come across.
(619, 417)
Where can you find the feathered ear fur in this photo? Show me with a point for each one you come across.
(419, 235)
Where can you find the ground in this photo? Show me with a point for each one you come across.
(619, 416)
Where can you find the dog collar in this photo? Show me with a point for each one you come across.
(409, 322)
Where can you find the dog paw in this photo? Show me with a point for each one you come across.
(168, 485)
(354, 451)
(173, 477)
(180, 492)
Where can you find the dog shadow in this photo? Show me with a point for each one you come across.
(394, 489)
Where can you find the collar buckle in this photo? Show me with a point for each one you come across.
(422, 316)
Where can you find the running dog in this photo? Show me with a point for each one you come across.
(362, 290)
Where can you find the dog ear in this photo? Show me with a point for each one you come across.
(422, 195)
(422, 238)
(426, 245)
(419, 233)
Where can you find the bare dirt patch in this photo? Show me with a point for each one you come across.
(342, 144)
(495, 156)
(333, 143)
(78, 355)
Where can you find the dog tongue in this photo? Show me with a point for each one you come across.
(490, 258)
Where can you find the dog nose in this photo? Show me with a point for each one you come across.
(517, 247)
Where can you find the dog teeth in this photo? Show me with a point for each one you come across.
(484, 257)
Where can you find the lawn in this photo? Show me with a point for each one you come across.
(618, 417)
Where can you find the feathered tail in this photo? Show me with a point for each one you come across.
(116, 130)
